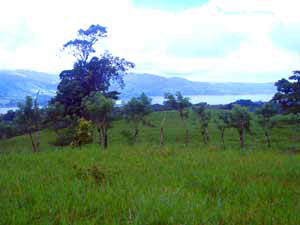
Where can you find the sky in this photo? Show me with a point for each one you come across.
(200, 40)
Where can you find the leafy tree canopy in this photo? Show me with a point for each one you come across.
(177, 102)
(240, 117)
(27, 114)
(89, 75)
(241, 120)
(266, 119)
(288, 93)
(138, 108)
(268, 110)
(98, 107)
(83, 46)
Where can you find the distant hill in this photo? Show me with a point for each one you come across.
(16, 84)
(154, 85)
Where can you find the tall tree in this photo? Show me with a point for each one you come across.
(179, 103)
(99, 109)
(288, 93)
(89, 74)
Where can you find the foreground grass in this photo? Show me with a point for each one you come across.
(150, 186)
(146, 184)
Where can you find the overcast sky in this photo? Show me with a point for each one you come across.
(203, 40)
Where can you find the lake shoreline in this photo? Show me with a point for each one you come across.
(209, 99)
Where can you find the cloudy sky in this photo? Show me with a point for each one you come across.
(203, 40)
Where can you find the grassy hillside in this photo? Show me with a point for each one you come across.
(146, 184)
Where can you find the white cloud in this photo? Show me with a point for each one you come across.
(224, 40)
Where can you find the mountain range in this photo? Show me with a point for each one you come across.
(16, 84)
(154, 85)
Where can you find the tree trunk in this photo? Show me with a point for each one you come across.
(32, 142)
(241, 132)
(100, 136)
(105, 144)
(206, 135)
(103, 137)
(187, 137)
(223, 139)
(252, 137)
(161, 136)
(38, 138)
(268, 139)
(186, 129)
(136, 132)
(203, 135)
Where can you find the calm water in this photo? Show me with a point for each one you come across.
(217, 99)
(210, 99)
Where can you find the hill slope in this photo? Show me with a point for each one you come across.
(148, 184)
(153, 85)
(16, 84)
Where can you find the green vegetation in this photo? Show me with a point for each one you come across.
(146, 184)
(135, 112)
(266, 119)
(204, 116)
(223, 122)
(169, 176)
(241, 120)
(288, 94)
(28, 117)
(99, 109)
(181, 104)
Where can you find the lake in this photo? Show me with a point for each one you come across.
(210, 99)
(216, 99)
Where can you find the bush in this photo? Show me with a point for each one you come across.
(129, 136)
(64, 137)
(84, 133)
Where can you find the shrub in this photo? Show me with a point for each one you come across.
(84, 133)
(64, 137)
(129, 136)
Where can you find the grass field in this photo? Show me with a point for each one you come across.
(147, 184)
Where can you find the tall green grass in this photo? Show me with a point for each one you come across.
(147, 184)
